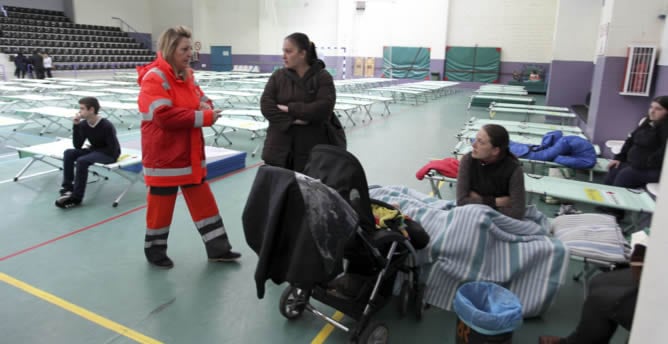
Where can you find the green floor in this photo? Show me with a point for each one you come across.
(92, 256)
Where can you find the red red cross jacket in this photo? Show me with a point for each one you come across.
(171, 127)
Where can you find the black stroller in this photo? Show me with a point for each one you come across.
(323, 241)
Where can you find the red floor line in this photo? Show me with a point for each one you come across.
(113, 218)
(72, 233)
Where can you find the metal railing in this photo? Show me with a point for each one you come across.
(126, 27)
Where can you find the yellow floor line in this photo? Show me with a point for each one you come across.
(116, 327)
(324, 333)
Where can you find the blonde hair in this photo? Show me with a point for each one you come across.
(169, 40)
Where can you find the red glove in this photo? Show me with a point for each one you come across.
(447, 167)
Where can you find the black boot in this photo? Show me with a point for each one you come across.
(220, 250)
(155, 249)
(218, 247)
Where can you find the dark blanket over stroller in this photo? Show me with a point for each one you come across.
(297, 226)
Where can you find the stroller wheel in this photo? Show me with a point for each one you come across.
(374, 333)
(292, 303)
(404, 298)
(419, 300)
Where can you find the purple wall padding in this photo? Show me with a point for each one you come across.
(611, 115)
(569, 82)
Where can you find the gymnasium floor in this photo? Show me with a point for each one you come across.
(80, 276)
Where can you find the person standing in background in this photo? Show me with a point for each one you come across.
(48, 65)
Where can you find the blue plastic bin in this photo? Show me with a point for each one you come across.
(486, 313)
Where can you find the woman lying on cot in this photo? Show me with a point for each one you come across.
(490, 174)
(641, 158)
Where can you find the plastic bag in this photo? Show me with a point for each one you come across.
(488, 308)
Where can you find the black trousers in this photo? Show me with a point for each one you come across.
(629, 177)
(610, 303)
(83, 158)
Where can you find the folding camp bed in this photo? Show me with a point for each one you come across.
(82, 84)
(218, 100)
(432, 89)
(518, 127)
(493, 110)
(115, 82)
(61, 80)
(7, 106)
(400, 93)
(503, 87)
(364, 104)
(445, 87)
(531, 107)
(527, 135)
(13, 125)
(595, 239)
(252, 90)
(27, 81)
(122, 92)
(241, 97)
(32, 100)
(128, 165)
(128, 100)
(117, 110)
(637, 202)
(257, 129)
(87, 94)
(464, 146)
(485, 100)
(252, 113)
(421, 92)
(10, 89)
(385, 100)
(491, 91)
(601, 166)
(46, 88)
(48, 116)
(347, 109)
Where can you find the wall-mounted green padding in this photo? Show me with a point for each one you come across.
(481, 64)
(406, 62)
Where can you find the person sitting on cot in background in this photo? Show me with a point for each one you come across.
(490, 174)
(641, 158)
(103, 148)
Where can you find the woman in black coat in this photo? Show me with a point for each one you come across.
(641, 158)
(298, 101)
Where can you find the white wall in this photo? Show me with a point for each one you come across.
(650, 319)
(405, 23)
(169, 13)
(576, 30)
(663, 47)
(137, 13)
(523, 29)
(633, 22)
(258, 27)
(278, 18)
(227, 22)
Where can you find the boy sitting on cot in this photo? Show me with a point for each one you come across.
(103, 148)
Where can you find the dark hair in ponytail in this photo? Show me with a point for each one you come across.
(304, 43)
(499, 137)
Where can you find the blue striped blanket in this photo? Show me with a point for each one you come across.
(477, 243)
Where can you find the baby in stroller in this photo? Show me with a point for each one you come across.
(318, 233)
